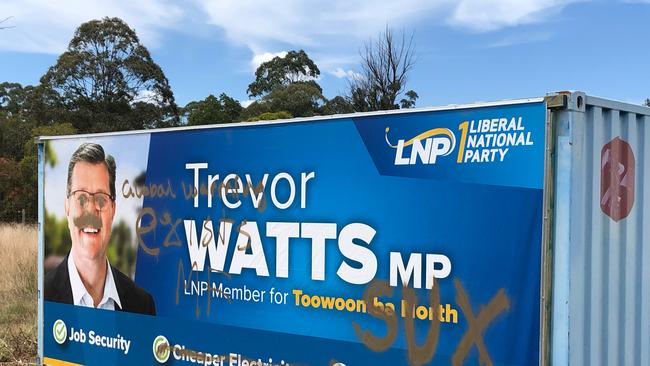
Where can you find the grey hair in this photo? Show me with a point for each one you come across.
(94, 154)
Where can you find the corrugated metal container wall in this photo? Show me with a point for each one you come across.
(602, 234)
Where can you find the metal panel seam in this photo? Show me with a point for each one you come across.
(561, 244)
(41, 217)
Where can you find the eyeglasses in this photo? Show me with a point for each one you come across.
(82, 198)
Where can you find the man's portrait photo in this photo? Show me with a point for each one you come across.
(85, 276)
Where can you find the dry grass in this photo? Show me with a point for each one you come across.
(18, 294)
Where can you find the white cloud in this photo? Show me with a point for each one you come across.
(521, 38)
(331, 30)
(342, 25)
(266, 56)
(246, 103)
(487, 15)
(339, 73)
(256, 23)
(43, 26)
(350, 74)
(149, 96)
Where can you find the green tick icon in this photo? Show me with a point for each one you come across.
(59, 331)
(161, 349)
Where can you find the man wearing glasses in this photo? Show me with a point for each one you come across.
(85, 277)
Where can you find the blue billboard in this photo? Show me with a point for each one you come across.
(400, 239)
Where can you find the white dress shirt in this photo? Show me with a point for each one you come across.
(80, 295)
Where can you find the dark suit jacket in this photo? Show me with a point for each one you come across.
(133, 298)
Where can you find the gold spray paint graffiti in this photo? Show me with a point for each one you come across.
(421, 354)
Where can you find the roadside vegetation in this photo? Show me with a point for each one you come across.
(18, 293)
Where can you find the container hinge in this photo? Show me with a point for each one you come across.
(557, 101)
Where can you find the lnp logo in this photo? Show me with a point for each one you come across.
(437, 142)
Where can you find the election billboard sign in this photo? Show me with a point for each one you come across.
(397, 238)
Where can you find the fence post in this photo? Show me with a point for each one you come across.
(23, 211)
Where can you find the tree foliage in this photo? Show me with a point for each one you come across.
(11, 193)
(286, 84)
(385, 64)
(213, 110)
(268, 116)
(337, 105)
(296, 66)
(409, 101)
(14, 131)
(12, 97)
(108, 80)
(38, 104)
(18, 177)
(300, 99)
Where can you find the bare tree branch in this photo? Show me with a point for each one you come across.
(385, 64)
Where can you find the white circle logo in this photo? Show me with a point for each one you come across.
(59, 331)
(161, 349)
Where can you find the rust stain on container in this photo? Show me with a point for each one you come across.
(617, 179)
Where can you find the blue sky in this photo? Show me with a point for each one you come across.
(467, 50)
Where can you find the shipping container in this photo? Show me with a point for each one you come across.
(506, 233)
(601, 239)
